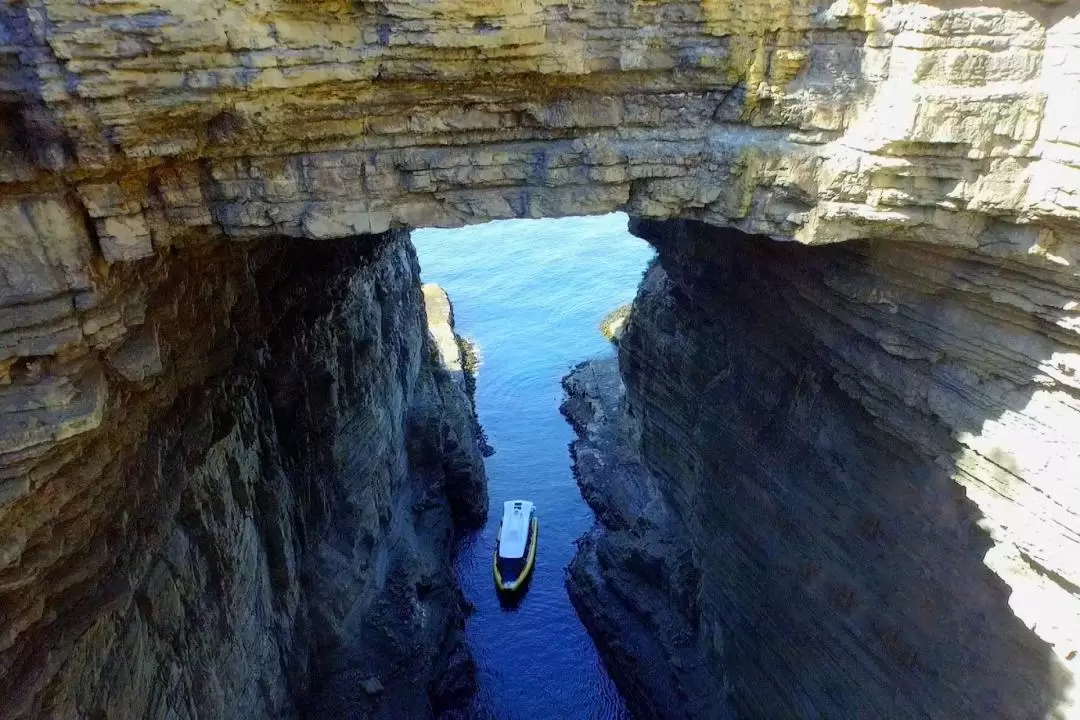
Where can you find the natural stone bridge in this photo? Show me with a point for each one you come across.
(139, 139)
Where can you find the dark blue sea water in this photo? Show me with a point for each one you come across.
(531, 293)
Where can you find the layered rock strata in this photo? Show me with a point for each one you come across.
(633, 581)
(260, 518)
(134, 136)
(816, 120)
(853, 484)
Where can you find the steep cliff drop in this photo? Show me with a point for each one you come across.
(143, 142)
(261, 517)
(836, 485)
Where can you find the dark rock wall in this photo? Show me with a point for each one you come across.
(633, 581)
(261, 520)
(866, 449)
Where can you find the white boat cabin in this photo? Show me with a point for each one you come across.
(514, 531)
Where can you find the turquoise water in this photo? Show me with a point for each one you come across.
(531, 293)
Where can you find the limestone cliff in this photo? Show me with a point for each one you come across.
(138, 138)
(848, 491)
(263, 514)
(142, 121)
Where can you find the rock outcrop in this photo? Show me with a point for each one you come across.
(138, 138)
(614, 323)
(633, 580)
(140, 122)
(263, 512)
(851, 492)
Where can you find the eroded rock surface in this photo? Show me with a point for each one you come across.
(818, 120)
(129, 128)
(263, 515)
(860, 447)
(633, 581)
(137, 138)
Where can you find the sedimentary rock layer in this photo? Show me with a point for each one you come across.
(633, 580)
(136, 135)
(261, 514)
(854, 466)
(818, 120)
(129, 129)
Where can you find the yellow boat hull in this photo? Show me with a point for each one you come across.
(530, 560)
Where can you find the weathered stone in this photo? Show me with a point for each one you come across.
(153, 131)
(50, 409)
(440, 322)
(846, 464)
(632, 579)
(211, 543)
(789, 104)
(140, 356)
(125, 237)
(44, 249)
(372, 686)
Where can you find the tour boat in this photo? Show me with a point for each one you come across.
(515, 549)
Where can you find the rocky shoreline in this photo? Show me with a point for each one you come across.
(628, 580)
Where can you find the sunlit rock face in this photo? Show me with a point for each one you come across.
(852, 484)
(135, 135)
(320, 118)
(130, 130)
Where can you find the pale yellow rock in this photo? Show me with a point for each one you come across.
(440, 323)
(330, 221)
(125, 237)
(44, 249)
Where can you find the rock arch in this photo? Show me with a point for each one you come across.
(141, 141)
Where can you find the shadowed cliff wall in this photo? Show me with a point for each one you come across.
(862, 477)
(266, 491)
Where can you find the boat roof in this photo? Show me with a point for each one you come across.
(514, 534)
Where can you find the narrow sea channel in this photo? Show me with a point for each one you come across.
(530, 294)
